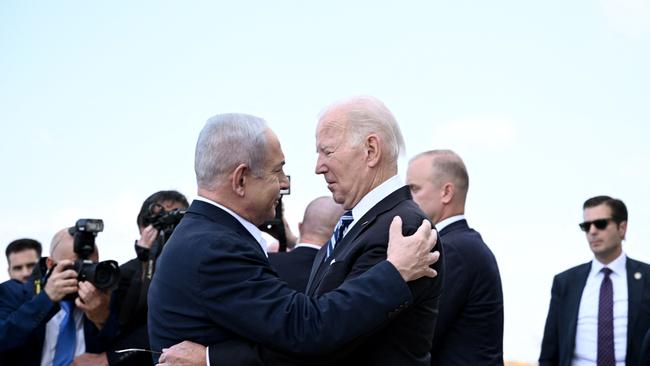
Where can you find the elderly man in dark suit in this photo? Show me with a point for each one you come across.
(599, 310)
(358, 142)
(214, 283)
(316, 227)
(469, 330)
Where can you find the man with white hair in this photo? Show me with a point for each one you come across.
(214, 283)
(358, 142)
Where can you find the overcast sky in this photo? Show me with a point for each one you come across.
(548, 103)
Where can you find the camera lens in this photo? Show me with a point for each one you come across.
(103, 275)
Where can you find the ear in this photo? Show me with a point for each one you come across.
(448, 191)
(622, 229)
(49, 263)
(373, 151)
(238, 179)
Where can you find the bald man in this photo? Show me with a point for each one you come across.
(469, 330)
(321, 215)
(32, 316)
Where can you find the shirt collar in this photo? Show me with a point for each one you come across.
(617, 265)
(307, 245)
(255, 232)
(373, 197)
(448, 221)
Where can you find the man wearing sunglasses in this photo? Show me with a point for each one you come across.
(597, 313)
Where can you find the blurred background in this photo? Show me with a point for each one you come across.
(548, 104)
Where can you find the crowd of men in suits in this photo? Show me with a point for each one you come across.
(367, 282)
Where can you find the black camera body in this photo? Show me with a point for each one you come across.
(103, 275)
(164, 221)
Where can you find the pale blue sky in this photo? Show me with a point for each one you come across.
(547, 102)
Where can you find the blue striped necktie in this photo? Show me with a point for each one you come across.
(65, 342)
(343, 224)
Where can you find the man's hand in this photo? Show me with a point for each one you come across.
(62, 281)
(90, 359)
(147, 237)
(411, 255)
(185, 353)
(94, 303)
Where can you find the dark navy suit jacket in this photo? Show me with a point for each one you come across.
(407, 339)
(469, 330)
(23, 316)
(558, 344)
(214, 284)
(293, 267)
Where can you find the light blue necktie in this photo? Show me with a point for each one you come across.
(343, 223)
(65, 342)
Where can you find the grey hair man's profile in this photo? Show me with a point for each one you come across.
(215, 286)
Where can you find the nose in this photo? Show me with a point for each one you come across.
(284, 182)
(25, 273)
(320, 166)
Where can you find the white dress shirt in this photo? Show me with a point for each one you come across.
(52, 333)
(307, 245)
(373, 197)
(586, 349)
(448, 221)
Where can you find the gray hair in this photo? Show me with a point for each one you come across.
(366, 115)
(450, 166)
(226, 141)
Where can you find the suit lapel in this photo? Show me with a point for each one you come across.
(320, 266)
(635, 286)
(216, 214)
(574, 294)
(318, 260)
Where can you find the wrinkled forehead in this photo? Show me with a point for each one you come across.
(331, 128)
(274, 155)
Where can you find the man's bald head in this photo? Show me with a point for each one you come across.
(62, 247)
(321, 216)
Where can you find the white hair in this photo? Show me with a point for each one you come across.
(226, 141)
(365, 115)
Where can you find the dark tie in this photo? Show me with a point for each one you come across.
(343, 223)
(65, 342)
(606, 322)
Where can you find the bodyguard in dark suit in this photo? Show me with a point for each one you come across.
(214, 283)
(600, 311)
(469, 330)
(27, 311)
(317, 225)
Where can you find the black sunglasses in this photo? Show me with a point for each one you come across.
(600, 224)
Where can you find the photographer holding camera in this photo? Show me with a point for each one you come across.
(63, 317)
(158, 216)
